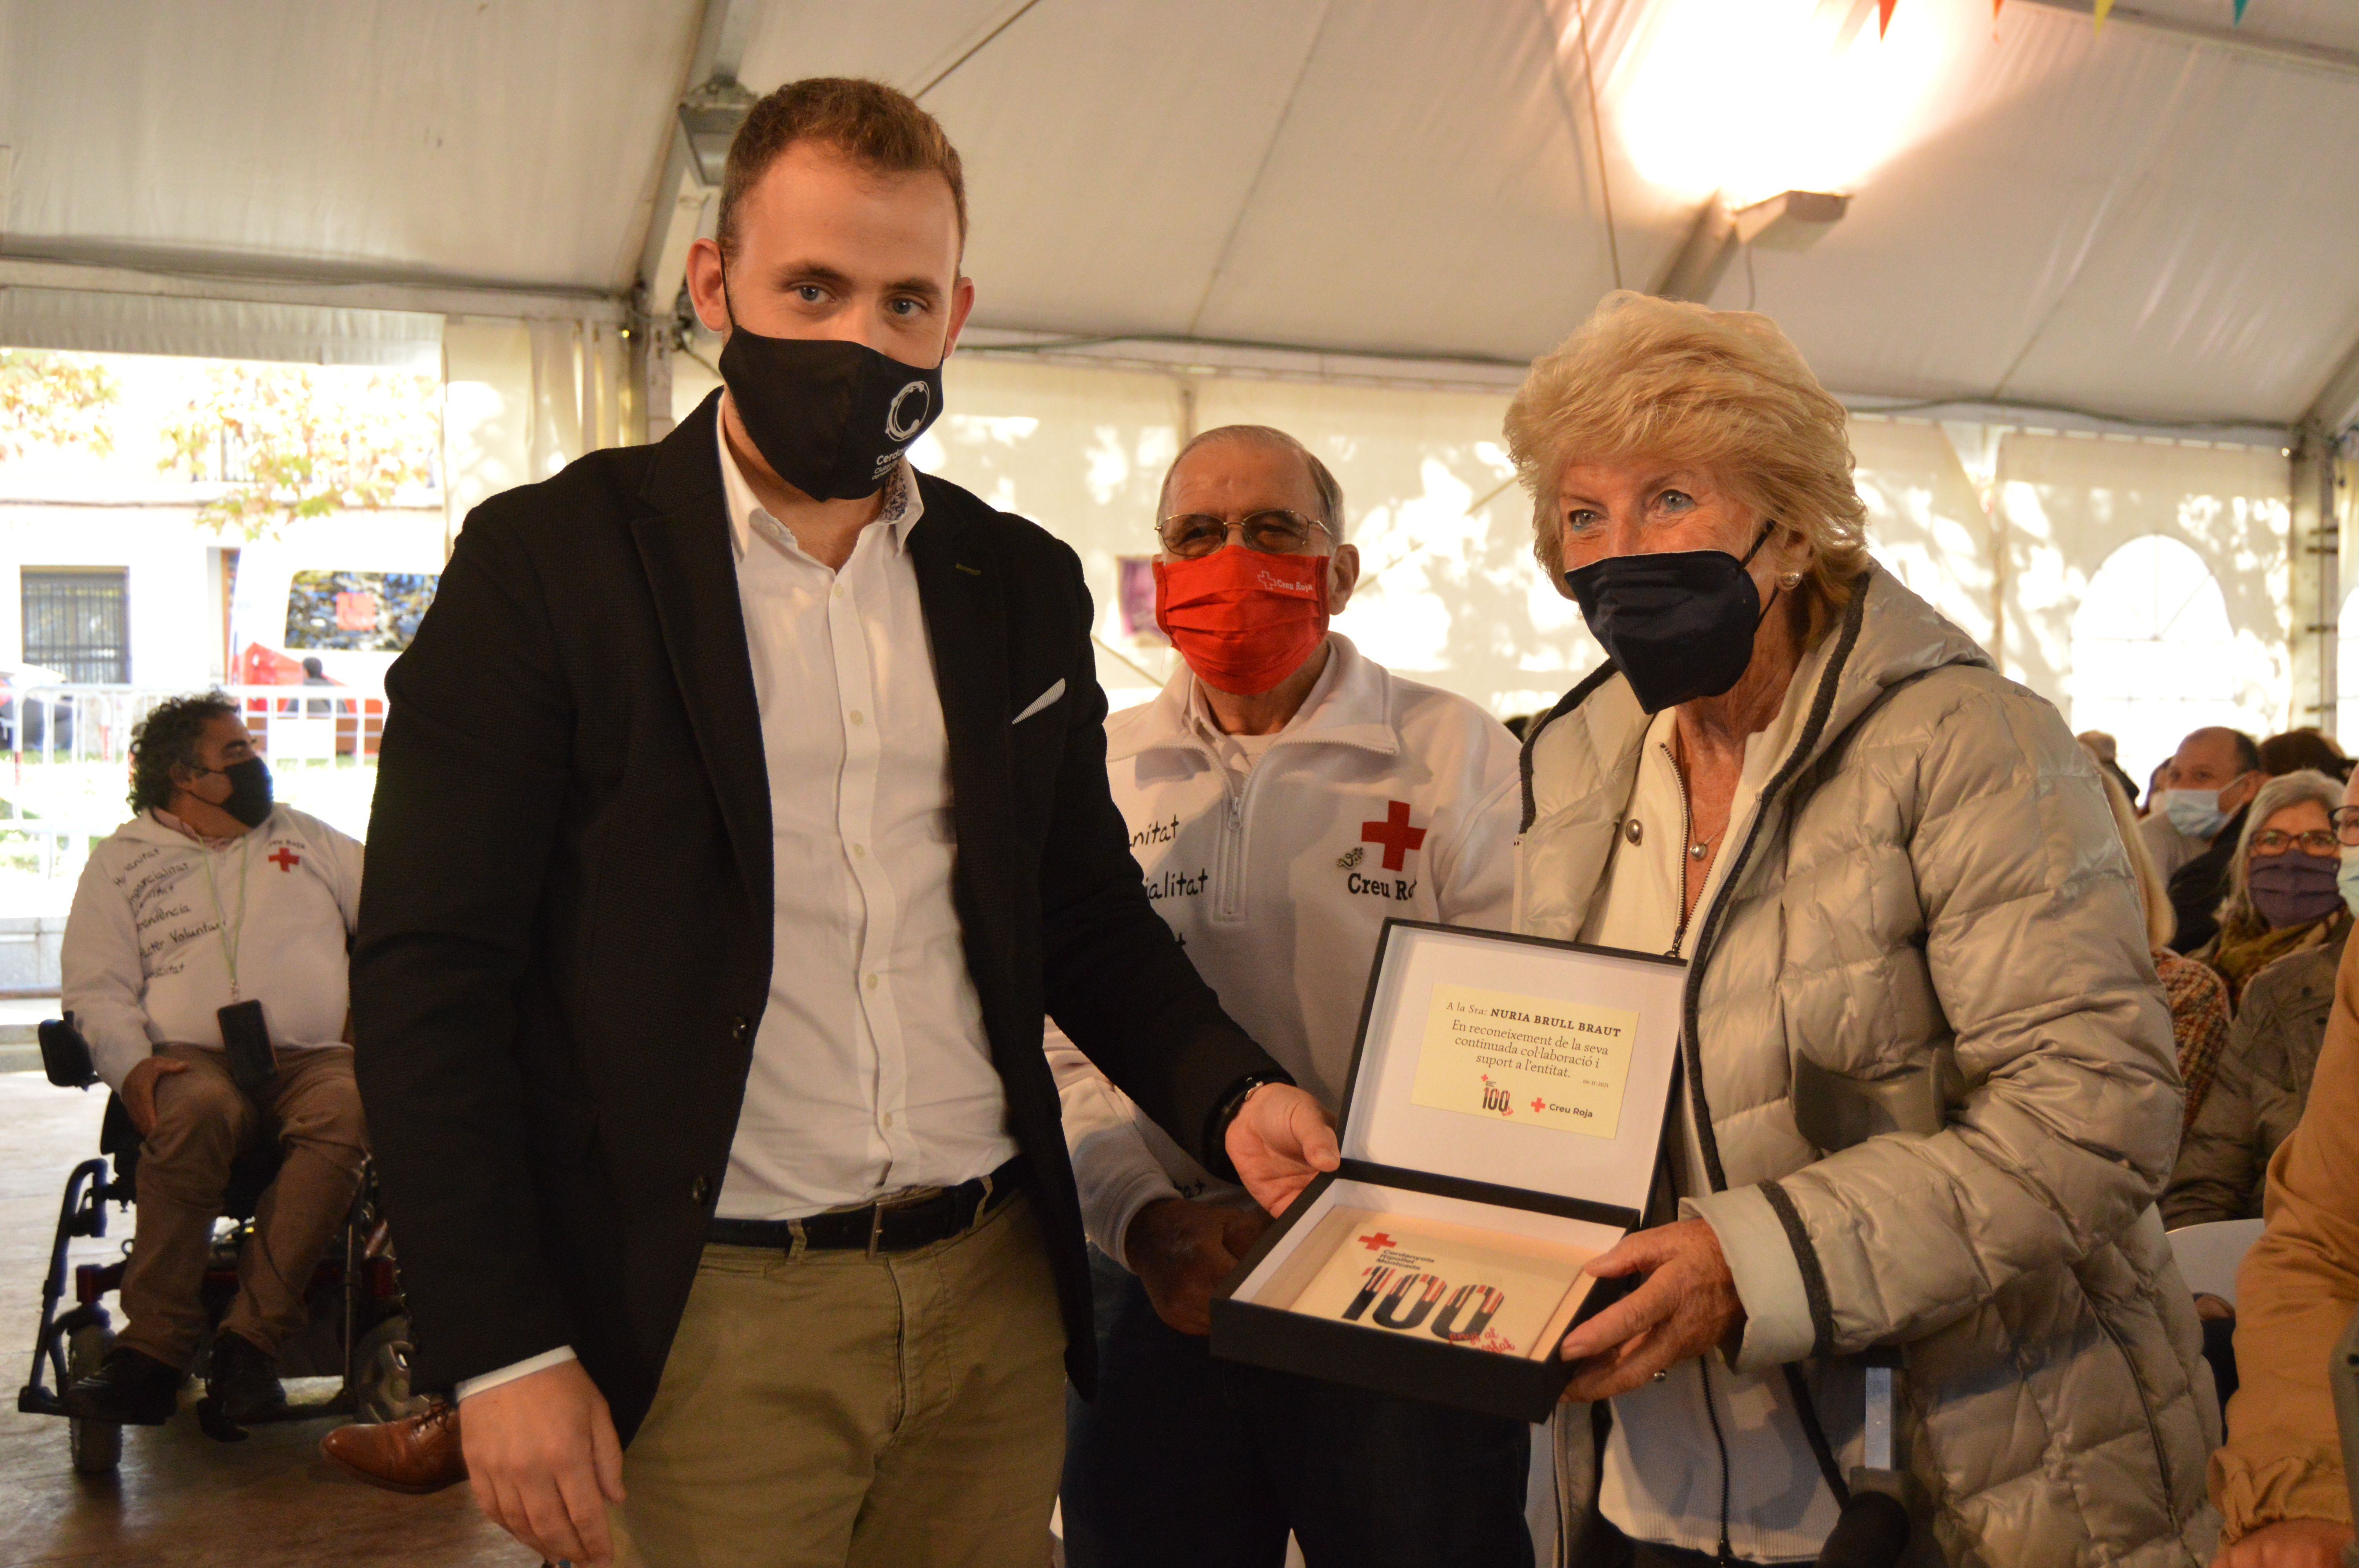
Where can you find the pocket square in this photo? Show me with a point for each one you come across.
(1040, 702)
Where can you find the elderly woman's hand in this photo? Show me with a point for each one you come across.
(1687, 1306)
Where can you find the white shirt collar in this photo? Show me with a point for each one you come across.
(748, 516)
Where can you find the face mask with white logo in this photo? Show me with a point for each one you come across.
(832, 417)
(2195, 812)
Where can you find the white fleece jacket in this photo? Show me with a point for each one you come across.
(1382, 797)
(144, 960)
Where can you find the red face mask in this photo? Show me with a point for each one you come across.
(1243, 619)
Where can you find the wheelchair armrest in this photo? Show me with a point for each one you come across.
(65, 1055)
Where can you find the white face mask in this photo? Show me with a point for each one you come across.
(2196, 812)
(2346, 879)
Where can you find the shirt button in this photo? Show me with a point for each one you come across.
(839, 590)
(741, 1029)
(699, 1190)
(860, 851)
(872, 982)
(856, 717)
(1631, 831)
(889, 1119)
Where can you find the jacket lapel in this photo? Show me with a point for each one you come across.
(684, 543)
(965, 609)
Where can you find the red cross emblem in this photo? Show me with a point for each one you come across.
(1394, 834)
(285, 858)
(1539, 1106)
(1377, 1242)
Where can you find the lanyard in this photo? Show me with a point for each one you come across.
(221, 916)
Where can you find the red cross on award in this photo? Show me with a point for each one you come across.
(1394, 834)
(285, 858)
(1377, 1242)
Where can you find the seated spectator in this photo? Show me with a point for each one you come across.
(2278, 1480)
(2156, 783)
(2263, 1080)
(2197, 995)
(2107, 751)
(2305, 748)
(213, 895)
(2214, 777)
(2283, 893)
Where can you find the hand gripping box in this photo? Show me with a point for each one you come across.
(1500, 1128)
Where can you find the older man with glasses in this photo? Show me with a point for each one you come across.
(1285, 795)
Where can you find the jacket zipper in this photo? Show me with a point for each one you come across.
(1687, 832)
(1231, 901)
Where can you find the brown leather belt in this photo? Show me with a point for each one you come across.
(882, 1227)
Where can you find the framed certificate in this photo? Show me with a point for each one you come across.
(1500, 1128)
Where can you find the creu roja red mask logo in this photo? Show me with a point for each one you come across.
(1243, 621)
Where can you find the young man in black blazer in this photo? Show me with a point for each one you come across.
(742, 807)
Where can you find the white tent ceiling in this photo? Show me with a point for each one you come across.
(2136, 222)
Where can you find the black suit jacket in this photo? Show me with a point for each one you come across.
(565, 933)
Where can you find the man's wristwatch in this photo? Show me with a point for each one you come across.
(1216, 1139)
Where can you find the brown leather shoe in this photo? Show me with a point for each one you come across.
(418, 1455)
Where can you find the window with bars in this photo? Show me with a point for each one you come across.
(79, 623)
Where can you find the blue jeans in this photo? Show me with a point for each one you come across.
(1188, 1462)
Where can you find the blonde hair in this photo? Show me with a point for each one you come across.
(1653, 378)
(2154, 892)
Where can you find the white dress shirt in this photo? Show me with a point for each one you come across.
(871, 1070)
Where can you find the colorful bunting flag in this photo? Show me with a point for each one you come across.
(2102, 7)
(1884, 23)
(2240, 12)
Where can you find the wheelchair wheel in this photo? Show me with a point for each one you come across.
(97, 1444)
(381, 1389)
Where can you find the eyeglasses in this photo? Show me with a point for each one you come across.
(1190, 535)
(2346, 823)
(2317, 841)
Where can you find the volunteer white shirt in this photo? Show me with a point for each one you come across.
(1276, 859)
(871, 1070)
(145, 959)
(1663, 1469)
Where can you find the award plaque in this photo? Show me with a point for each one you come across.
(1500, 1128)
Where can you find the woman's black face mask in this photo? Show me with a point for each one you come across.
(831, 417)
(1679, 624)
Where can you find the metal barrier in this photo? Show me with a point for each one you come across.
(93, 723)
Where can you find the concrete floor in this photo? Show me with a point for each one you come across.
(181, 1498)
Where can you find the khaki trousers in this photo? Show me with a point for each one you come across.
(202, 1123)
(828, 1407)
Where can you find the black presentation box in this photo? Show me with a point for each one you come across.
(1501, 1125)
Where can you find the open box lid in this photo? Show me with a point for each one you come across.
(1516, 1061)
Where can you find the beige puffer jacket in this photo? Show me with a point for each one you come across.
(1934, 865)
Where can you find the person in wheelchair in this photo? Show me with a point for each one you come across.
(210, 904)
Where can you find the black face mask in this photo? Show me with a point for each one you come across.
(832, 417)
(249, 790)
(1679, 625)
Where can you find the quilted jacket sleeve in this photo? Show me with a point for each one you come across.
(2034, 945)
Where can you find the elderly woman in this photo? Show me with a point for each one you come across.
(2282, 897)
(1903, 907)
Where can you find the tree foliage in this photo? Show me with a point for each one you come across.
(293, 441)
(54, 400)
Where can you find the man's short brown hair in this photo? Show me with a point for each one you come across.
(876, 127)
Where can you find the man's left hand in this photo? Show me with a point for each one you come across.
(1687, 1307)
(1279, 1139)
